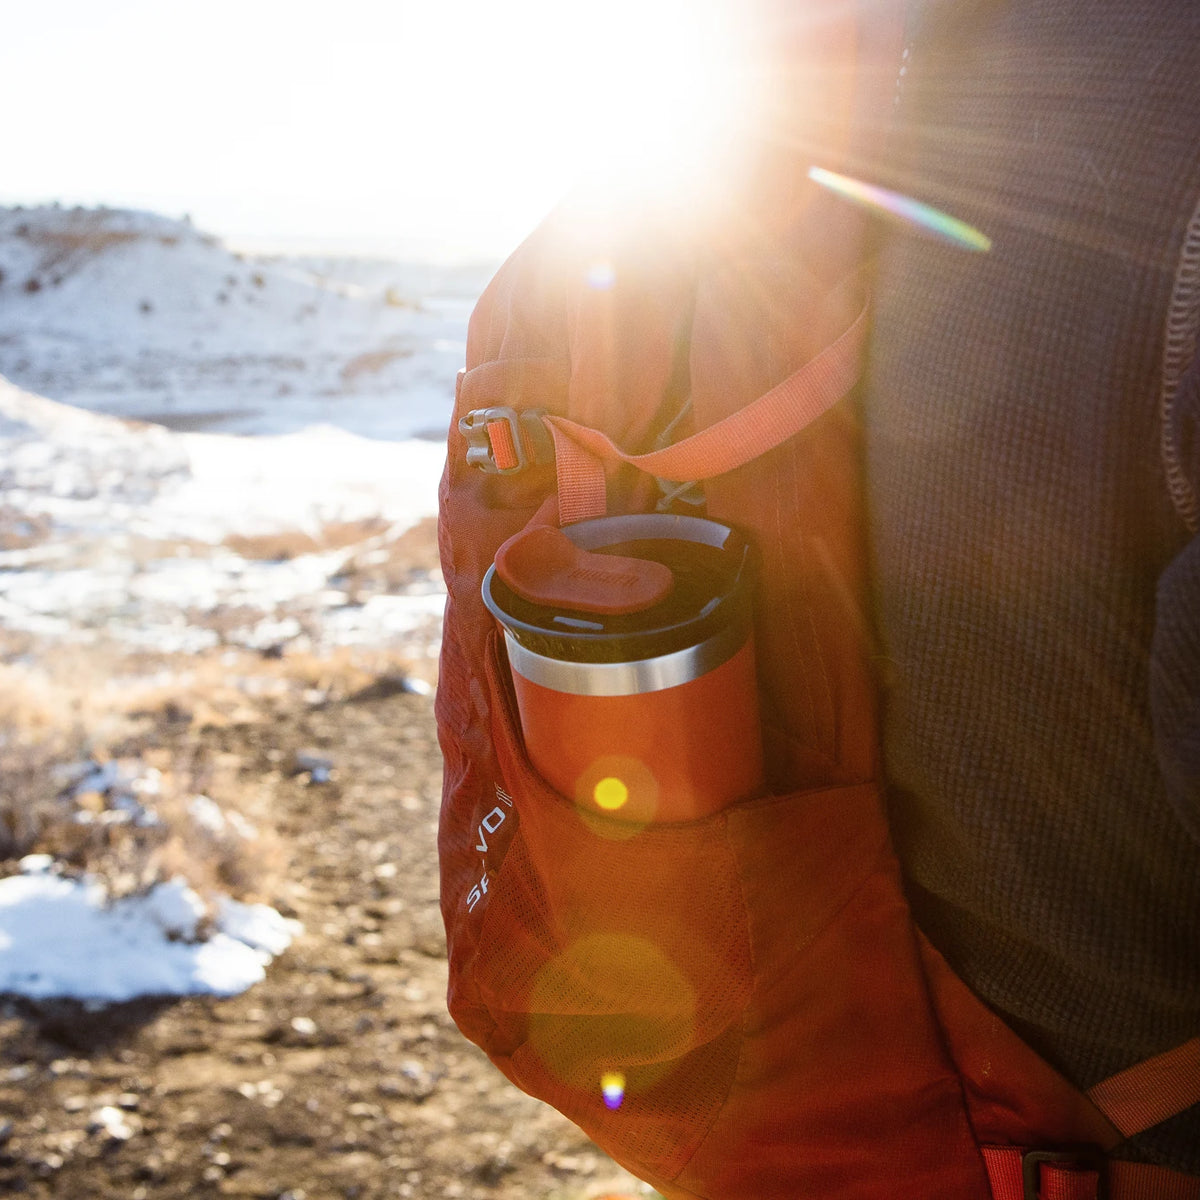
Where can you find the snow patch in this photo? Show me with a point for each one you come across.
(62, 938)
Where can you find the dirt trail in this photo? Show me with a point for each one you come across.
(339, 1076)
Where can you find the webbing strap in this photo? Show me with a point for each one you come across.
(504, 449)
(1071, 1180)
(739, 438)
(580, 451)
(581, 482)
(1132, 1100)
(1151, 1091)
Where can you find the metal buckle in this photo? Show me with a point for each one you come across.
(1086, 1157)
(530, 438)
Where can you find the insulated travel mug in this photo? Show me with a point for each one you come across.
(631, 650)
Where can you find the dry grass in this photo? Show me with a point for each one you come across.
(371, 363)
(63, 704)
(292, 543)
(64, 250)
(91, 240)
(243, 687)
(377, 560)
(42, 725)
(82, 780)
(74, 713)
(390, 564)
(20, 530)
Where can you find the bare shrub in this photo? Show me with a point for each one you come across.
(292, 543)
(371, 362)
(391, 564)
(81, 781)
(20, 530)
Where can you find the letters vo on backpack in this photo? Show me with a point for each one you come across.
(737, 1007)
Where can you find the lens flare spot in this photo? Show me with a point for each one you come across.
(610, 794)
(904, 208)
(637, 1004)
(601, 276)
(612, 1086)
(616, 795)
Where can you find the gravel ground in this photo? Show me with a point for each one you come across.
(341, 1075)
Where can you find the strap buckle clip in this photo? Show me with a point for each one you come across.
(502, 441)
(1084, 1158)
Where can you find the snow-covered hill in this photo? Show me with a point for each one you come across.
(128, 529)
(139, 315)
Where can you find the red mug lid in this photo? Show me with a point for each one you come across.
(542, 565)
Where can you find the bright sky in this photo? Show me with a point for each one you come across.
(449, 125)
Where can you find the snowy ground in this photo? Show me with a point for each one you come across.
(110, 530)
(198, 450)
(342, 371)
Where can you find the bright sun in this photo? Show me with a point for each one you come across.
(656, 87)
(637, 99)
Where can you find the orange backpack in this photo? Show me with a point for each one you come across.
(737, 1007)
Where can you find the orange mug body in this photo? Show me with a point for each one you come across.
(673, 754)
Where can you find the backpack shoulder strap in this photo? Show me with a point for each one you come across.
(1179, 401)
(580, 452)
(738, 439)
(1150, 1092)
(1133, 1100)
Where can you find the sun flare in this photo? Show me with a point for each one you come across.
(658, 89)
(631, 102)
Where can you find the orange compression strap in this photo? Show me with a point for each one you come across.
(724, 446)
(1133, 1100)
(582, 489)
(504, 449)
(751, 431)
(741, 437)
(1017, 1174)
(1149, 1092)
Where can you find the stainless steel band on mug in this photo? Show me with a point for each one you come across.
(626, 678)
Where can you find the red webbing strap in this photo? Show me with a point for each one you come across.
(1133, 1100)
(504, 451)
(751, 431)
(1151, 1091)
(1070, 1181)
(1055, 1181)
(733, 442)
(581, 482)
